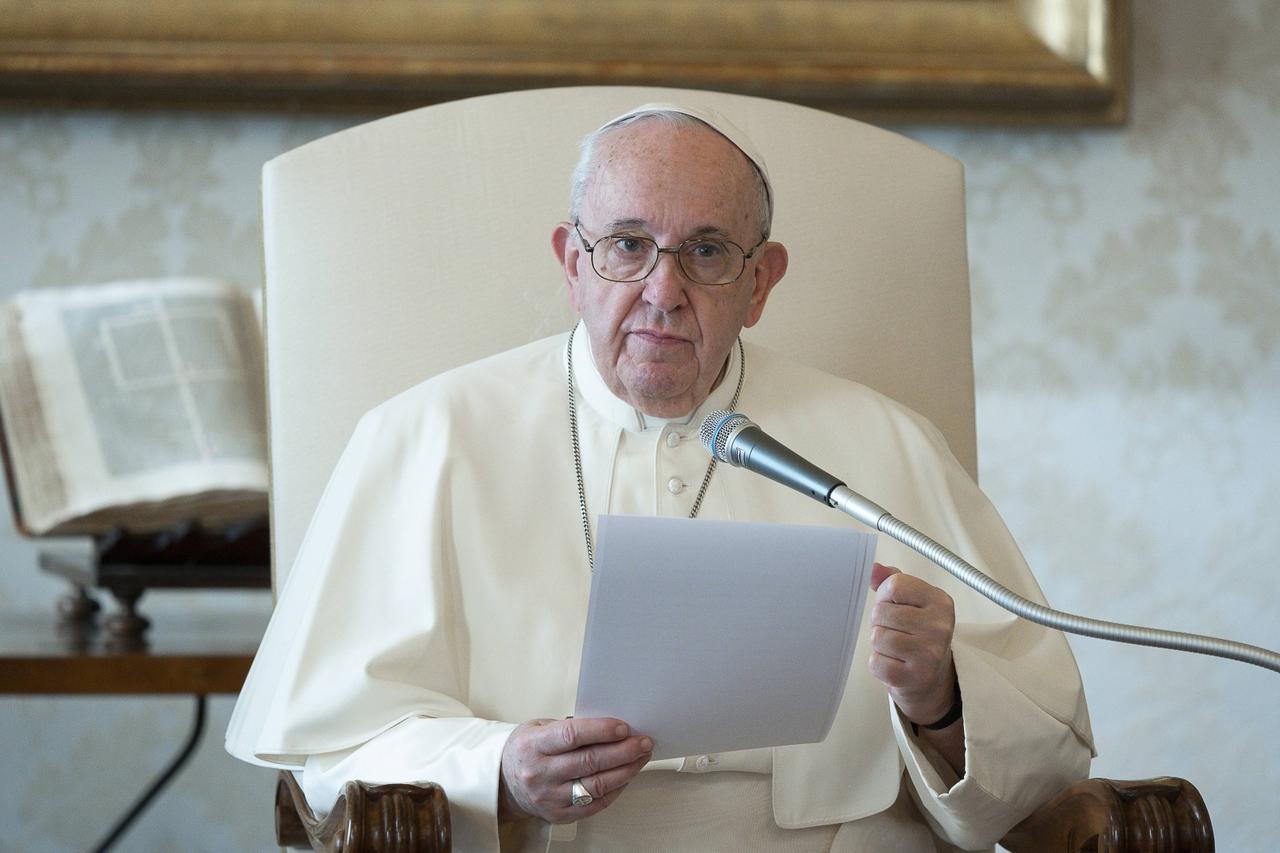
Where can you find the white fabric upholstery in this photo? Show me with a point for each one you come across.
(409, 245)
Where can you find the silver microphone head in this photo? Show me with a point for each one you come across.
(716, 430)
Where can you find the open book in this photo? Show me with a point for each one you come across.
(136, 404)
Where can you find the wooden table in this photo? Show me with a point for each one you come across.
(199, 654)
(192, 654)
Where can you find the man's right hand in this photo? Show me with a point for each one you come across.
(542, 758)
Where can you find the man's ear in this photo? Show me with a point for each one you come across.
(568, 249)
(770, 269)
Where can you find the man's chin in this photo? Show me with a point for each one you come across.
(662, 397)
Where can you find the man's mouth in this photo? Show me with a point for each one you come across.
(652, 336)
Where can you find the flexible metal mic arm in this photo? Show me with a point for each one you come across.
(721, 433)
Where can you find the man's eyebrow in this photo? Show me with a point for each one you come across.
(619, 224)
(622, 224)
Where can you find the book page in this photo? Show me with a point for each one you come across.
(150, 390)
(35, 477)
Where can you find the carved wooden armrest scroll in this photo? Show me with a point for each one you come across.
(1164, 815)
(386, 818)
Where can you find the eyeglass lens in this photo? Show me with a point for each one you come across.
(705, 261)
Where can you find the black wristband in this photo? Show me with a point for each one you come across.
(953, 713)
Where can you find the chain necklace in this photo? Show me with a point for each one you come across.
(577, 448)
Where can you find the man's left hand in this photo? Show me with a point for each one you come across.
(911, 628)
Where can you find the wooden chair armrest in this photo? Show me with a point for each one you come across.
(1164, 815)
(384, 818)
(1111, 816)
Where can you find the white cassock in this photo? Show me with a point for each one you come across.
(440, 596)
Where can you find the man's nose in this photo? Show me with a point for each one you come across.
(664, 288)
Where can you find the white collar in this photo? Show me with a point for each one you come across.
(596, 394)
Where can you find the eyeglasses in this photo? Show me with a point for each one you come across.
(704, 260)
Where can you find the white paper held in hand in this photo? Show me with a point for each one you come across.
(713, 636)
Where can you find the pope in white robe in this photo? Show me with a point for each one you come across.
(438, 601)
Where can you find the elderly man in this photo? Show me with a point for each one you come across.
(432, 625)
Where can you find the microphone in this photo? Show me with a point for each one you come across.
(735, 439)
(732, 438)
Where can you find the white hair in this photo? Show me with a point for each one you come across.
(585, 169)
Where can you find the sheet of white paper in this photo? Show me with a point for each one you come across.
(711, 636)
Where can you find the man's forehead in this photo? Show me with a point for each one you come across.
(647, 172)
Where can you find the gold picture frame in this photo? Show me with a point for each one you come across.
(1004, 61)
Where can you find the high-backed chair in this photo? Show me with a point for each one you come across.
(379, 263)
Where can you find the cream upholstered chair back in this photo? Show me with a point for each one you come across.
(404, 247)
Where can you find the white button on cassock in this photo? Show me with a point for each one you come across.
(702, 762)
(673, 439)
(675, 485)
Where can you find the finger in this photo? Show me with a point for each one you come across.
(879, 573)
(900, 588)
(878, 645)
(911, 677)
(912, 649)
(604, 790)
(889, 671)
(911, 619)
(591, 760)
(570, 813)
(898, 617)
(607, 781)
(562, 736)
(910, 633)
(906, 589)
(921, 660)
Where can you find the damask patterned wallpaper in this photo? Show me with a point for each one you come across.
(1127, 339)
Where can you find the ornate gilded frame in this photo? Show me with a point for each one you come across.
(1017, 61)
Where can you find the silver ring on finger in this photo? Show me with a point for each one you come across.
(581, 796)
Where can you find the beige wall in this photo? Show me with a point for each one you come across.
(1127, 337)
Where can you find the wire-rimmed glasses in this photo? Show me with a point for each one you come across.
(705, 260)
